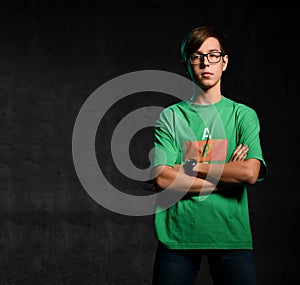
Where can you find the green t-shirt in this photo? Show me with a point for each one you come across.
(210, 134)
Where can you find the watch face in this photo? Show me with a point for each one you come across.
(192, 162)
(189, 165)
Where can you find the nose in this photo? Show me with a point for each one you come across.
(204, 62)
(205, 59)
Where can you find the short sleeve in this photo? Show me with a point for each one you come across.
(165, 150)
(249, 134)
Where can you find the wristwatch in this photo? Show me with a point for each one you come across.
(189, 165)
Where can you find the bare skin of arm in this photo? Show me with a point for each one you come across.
(174, 177)
(237, 170)
(232, 172)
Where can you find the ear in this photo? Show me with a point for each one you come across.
(225, 62)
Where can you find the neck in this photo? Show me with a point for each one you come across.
(206, 98)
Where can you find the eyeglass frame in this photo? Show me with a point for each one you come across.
(202, 55)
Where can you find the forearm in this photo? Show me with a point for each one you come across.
(246, 171)
(175, 179)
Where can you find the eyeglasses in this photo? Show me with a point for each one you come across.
(212, 57)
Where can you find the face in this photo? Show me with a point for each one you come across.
(207, 74)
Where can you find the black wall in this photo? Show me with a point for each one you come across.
(54, 54)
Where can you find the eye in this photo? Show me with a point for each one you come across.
(195, 56)
(214, 55)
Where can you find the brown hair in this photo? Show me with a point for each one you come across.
(195, 38)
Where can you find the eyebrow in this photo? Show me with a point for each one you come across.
(211, 50)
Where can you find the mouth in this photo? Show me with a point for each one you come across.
(206, 74)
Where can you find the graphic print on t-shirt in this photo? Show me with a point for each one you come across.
(211, 150)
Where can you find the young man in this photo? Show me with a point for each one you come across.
(212, 151)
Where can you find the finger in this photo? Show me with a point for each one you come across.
(242, 149)
(240, 153)
(236, 150)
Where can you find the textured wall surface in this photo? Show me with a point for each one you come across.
(53, 55)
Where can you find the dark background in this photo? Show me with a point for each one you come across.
(54, 54)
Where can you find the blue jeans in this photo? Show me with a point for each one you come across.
(180, 267)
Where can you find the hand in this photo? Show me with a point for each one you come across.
(240, 153)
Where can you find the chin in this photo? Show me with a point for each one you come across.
(203, 86)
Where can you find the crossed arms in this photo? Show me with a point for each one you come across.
(209, 177)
